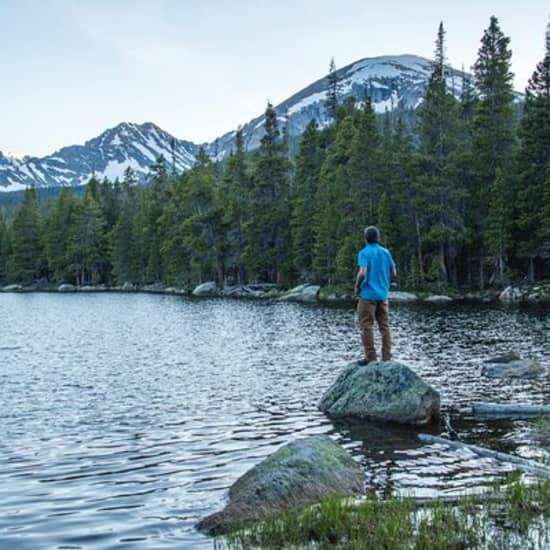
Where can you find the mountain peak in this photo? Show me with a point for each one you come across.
(391, 82)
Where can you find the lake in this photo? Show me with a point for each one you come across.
(126, 417)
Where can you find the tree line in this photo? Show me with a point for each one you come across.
(462, 199)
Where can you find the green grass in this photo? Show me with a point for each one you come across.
(542, 425)
(517, 515)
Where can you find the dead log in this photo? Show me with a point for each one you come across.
(520, 463)
(509, 410)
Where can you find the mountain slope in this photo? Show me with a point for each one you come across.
(392, 82)
(108, 155)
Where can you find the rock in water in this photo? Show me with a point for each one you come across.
(299, 474)
(206, 289)
(438, 299)
(511, 366)
(302, 293)
(400, 296)
(387, 391)
(511, 294)
(12, 288)
(66, 288)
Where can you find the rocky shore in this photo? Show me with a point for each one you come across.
(306, 293)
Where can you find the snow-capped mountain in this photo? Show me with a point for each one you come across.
(392, 82)
(108, 155)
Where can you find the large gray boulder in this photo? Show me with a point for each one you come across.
(302, 293)
(386, 391)
(299, 474)
(511, 365)
(206, 289)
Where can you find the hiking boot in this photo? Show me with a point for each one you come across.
(365, 362)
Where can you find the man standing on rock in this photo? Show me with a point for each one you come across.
(376, 268)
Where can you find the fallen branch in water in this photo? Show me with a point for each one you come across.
(520, 463)
(509, 410)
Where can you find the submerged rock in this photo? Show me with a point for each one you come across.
(387, 391)
(299, 474)
(206, 289)
(302, 293)
(66, 288)
(510, 365)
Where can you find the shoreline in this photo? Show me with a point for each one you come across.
(533, 295)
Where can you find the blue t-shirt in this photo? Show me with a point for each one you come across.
(379, 263)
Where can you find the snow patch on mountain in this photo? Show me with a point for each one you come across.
(391, 82)
(108, 155)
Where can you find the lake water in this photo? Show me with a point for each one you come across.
(126, 417)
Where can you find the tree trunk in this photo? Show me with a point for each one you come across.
(531, 270)
(481, 275)
(419, 251)
(443, 275)
(510, 410)
(520, 463)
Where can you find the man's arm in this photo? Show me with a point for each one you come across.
(362, 273)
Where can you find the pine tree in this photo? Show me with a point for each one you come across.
(399, 226)
(157, 197)
(439, 192)
(329, 205)
(56, 236)
(5, 249)
(267, 252)
(26, 245)
(534, 167)
(305, 184)
(236, 185)
(493, 142)
(333, 91)
(359, 206)
(204, 229)
(122, 236)
(86, 239)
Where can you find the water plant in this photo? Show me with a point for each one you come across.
(516, 514)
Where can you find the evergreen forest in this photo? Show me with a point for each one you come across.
(462, 198)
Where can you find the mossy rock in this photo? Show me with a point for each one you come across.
(387, 391)
(297, 475)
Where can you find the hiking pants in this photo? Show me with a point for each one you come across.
(368, 311)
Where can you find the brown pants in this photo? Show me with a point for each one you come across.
(368, 311)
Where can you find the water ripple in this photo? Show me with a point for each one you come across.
(127, 417)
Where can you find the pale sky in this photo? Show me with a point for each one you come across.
(69, 69)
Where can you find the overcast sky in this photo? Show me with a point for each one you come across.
(70, 69)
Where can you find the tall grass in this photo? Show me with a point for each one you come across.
(517, 515)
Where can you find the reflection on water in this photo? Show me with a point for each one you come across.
(126, 417)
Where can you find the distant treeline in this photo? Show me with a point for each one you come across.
(466, 203)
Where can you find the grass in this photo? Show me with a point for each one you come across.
(542, 425)
(517, 515)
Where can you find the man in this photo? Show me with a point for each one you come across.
(376, 267)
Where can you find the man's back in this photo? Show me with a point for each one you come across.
(379, 263)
